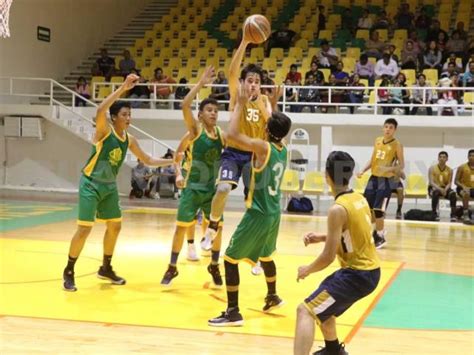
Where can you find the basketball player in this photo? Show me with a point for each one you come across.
(465, 184)
(441, 177)
(349, 238)
(206, 144)
(98, 194)
(387, 150)
(256, 234)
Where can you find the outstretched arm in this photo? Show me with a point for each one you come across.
(144, 157)
(234, 70)
(192, 124)
(178, 158)
(102, 127)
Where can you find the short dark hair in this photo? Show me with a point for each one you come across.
(278, 126)
(160, 69)
(443, 153)
(471, 151)
(293, 66)
(117, 106)
(340, 167)
(208, 101)
(251, 68)
(391, 121)
(421, 75)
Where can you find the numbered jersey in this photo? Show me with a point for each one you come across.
(264, 192)
(467, 178)
(356, 249)
(441, 177)
(385, 156)
(253, 121)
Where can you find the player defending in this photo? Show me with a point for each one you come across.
(441, 177)
(349, 237)
(256, 234)
(98, 194)
(206, 144)
(465, 184)
(387, 151)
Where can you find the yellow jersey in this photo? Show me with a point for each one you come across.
(253, 121)
(467, 178)
(385, 155)
(356, 249)
(441, 177)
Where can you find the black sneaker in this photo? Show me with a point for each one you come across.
(453, 218)
(216, 274)
(436, 216)
(170, 274)
(378, 240)
(323, 351)
(398, 215)
(229, 318)
(68, 281)
(272, 302)
(109, 274)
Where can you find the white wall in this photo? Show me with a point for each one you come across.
(78, 27)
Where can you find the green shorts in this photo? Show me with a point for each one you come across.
(254, 239)
(190, 202)
(98, 200)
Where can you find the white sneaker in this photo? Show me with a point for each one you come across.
(257, 269)
(206, 242)
(192, 255)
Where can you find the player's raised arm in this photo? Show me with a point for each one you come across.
(192, 124)
(144, 157)
(102, 127)
(234, 70)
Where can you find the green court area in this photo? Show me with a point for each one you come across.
(426, 300)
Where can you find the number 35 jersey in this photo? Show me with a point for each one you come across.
(385, 155)
(253, 121)
(264, 192)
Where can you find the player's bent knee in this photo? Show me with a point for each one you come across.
(114, 226)
(223, 188)
(83, 231)
(379, 214)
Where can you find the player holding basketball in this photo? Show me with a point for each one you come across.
(256, 235)
(349, 238)
(98, 194)
(206, 144)
(387, 151)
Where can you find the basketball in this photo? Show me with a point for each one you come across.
(256, 29)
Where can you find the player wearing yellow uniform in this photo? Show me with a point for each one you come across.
(465, 184)
(349, 238)
(440, 178)
(387, 162)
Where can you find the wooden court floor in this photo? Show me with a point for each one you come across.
(424, 305)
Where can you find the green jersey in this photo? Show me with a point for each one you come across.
(107, 157)
(203, 161)
(264, 194)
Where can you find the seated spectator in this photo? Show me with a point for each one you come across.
(181, 92)
(404, 18)
(468, 77)
(266, 81)
(456, 45)
(126, 64)
(464, 182)
(82, 88)
(162, 91)
(423, 21)
(460, 30)
(447, 98)
(291, 95)
(313, 70)
(294, 75)
(327, 57)
(440, 178)
(321, 19)
(141, 181)
(383, 95)
(402, 79)
(365, 69)
(442, 40)
(382, 21)
(341, 76)
(386, 67)
(139, 92)
(417, 94)
(221, 93)
(451, 69)
(282, 38)
(418, 45)
(374, 46)
(409, 56)
(434, 31)
(469, 61)
(391, 50)
(365, 22)
(452, 59)
(432, 57)
(355, 96)
(395, 96)
(323, 94)
(337, 95)
(106, 64)
(306, 94)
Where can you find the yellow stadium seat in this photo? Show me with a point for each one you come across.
(353, 52)
(150, 35)
(213, 61)
(313, 51)
(295, 26)
(140, 43)
(287, 62)
(290, 182)
(166, 35)
(410, 74)
(416, 186)
(174, 63)
(158, 27)
(325, 34)
(116, 79)
(184, 73)
(309, 35)
(148, 53)
(147, 72)
(469, 98)
(400, 34)
(257, 52)
(314, 183)
(184, 53)
(225, 27)
(296, 53)
(220, 53)
(175, 43)
(202, 53)
(334, 19)
(104, 91)
(269, 64)
(362, 34)
(372, 97)
(212, 43)
(431, 76)
(362, 3)
(302, 43)
(326, 72)
(139, 62)
(166, 52)
(349, 64)
(383, 34)
(358, 185)
(194, 63)
(277, 53)
(157, 62)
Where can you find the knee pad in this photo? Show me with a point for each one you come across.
(379, 214)
(224, 188)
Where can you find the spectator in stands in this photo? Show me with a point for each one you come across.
(404, 18)
(383, 95)
(365, 69)
(140, 92)
(337, 95)
(423, 21)
(469, 61)
(164, 91)
(456, 44)
(447, 98)
(355, 96)
(342, 77)
(313, 70)
(391, 49)
(95, 70)
(452, 59)
(395, 96)
(432, 57)
(126, 64)
(468, 77)
(382, 21)
(106, 64)
(386, 67)
(418, 45)
(418, 93)
(409, 56)
(402, 79)
(294, 75)
(291, 95)
(460, 30)
(365, 22)
(141, 181)
(282, 38)
(266, 80)
(82, 88)
(434, 31)
(442, 40)
(347, 21)
(321, 19)
(374, 46)
(221, 93)
(181, 92)
(327, 56)
(451, 69)
(306, 94)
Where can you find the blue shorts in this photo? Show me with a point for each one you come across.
(233, 163)
(339, 291)
(378, 191)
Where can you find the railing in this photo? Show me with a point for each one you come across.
(327, 91)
